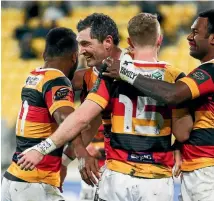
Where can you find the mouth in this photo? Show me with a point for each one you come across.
(192, 45)
(88, 58)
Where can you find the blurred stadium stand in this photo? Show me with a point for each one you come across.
(177, 18)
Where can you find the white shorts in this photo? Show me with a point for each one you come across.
(23, 191)
(115, 186)
(198, 185)
(87, 192)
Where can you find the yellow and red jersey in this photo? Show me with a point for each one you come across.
(89, 79)
(45, 91)
(140, 139)
(198, 151)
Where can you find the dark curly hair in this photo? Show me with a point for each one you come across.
(60, 41)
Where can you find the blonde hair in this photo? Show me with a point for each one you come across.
(144, 29)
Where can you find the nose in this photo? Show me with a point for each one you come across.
(190, 37)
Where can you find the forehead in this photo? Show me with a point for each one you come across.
(200, 24)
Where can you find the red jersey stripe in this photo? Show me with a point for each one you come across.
(37, 114)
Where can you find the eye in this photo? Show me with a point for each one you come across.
(195, 32)
(85, 44)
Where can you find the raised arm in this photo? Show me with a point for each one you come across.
(157, 89)
(199, 82)
(168, 93)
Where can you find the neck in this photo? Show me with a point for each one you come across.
(116, 52)
(207, 58)
(146, 54)
(56, 64)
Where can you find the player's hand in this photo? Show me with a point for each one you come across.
(177, 169)
(89, 169)
(63, 173)
(178, 163)
(29, 159)
(93, 151)
(113, 68)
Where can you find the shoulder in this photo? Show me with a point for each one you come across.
(53, 78)
(51, 74)
(173, 73)
(206, 69)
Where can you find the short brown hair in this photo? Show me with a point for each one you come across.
(144, 29)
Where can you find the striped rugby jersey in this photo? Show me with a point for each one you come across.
(45, 91)
(198, 151)
(89, 80)
(140, 140)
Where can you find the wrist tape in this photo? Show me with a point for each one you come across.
(66, 160)
(128, 72)
(45, 147)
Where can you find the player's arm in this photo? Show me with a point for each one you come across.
(67, 131)
(77, 148)
(81, 140)
(76, 122)
(77, 80)
(96, 101)
(182, 124)
(172, 94)
(181, 127)
(157, 89)
(199, 82)
(87, 135)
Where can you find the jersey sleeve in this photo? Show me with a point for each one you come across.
(58, 93)
(201, 80)
(100, 93)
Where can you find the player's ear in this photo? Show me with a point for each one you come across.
(160, 40)
(108, 43)
(211, 39)
(74, 57)
(130, 42)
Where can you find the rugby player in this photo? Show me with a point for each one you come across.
(198, 86)
(47, 99)
(140, 156)
(98, 38)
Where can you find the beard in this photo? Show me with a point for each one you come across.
(72, 71)
(198, 54)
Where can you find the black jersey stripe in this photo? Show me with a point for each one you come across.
(140, 143)
(33, 97)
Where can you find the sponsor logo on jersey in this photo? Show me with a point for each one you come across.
(33, 80)
(128, 73)
(157, 75)
(141, 157)
(61, 93)
(199, 76)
